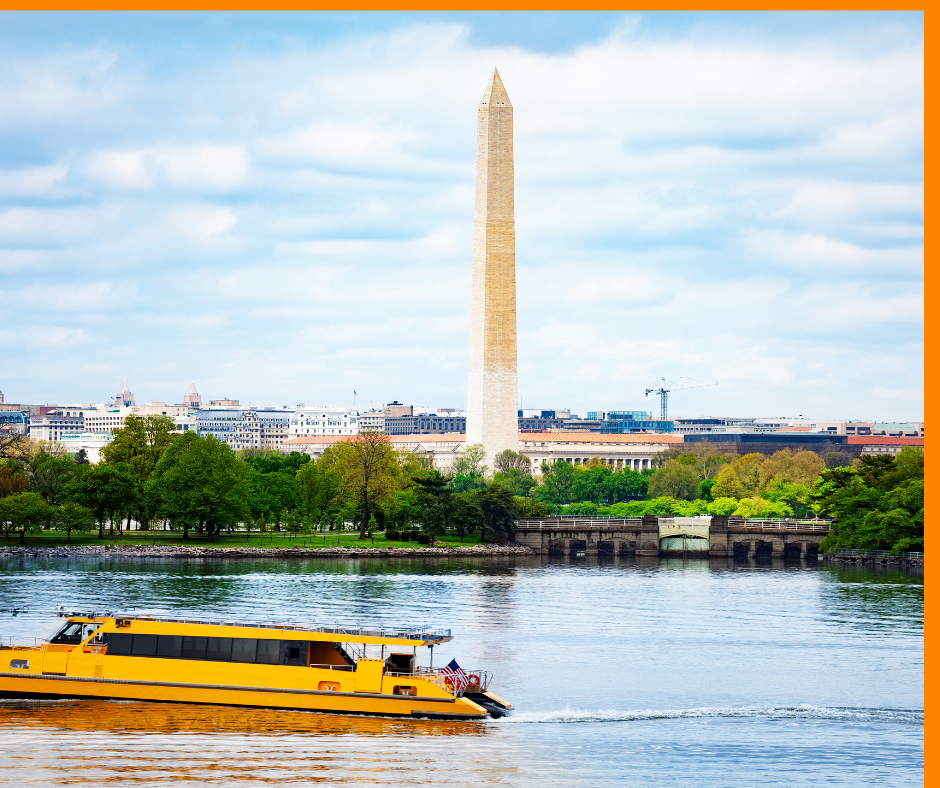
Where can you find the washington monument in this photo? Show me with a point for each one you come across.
(492, 417)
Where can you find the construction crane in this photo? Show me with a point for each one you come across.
(663, 392)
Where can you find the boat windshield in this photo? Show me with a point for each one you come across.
(73, 633)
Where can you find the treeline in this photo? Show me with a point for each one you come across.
(156, 478)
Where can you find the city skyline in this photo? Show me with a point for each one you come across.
(267, 213)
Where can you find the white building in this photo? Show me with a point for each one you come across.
(91, 442)
(324, 420)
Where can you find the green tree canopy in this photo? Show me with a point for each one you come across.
(675, 480)
(24, 513)
(72, 516)
(105, 489)
(199, 481)
(368, 468)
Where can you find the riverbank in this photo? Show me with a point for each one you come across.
(202, 551)
(874, 560)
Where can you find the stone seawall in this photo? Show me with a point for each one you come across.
(874, 560)
(181, 551)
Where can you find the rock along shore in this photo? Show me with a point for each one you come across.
(187, 551)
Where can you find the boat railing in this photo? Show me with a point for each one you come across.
(353, 630)
(472, 681)
(324, 666)
(21, 644)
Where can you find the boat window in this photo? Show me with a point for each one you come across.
(293, 652)
(329, 686)
(144, 646)
(170, 646)
(403, 690)
(71, 634)
(400, 663)
(268, 652)
(244, 649)
(119, 644)
(219, 649)
(89, 629)
(193, 648)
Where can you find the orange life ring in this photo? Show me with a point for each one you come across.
(473, 680)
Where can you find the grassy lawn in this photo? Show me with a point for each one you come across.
(238, 539)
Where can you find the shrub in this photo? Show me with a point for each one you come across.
(424, 538)
(391, 535)
(405, 535)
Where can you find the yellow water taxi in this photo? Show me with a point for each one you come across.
(338, 669)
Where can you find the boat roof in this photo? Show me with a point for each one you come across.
(418, 635)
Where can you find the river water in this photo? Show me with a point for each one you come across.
(625, 672)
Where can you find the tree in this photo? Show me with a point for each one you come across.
(466, 516)
(73, 516)
(12, 479)
(708, 459)
(105, 489)
(140, 443)
(590, 484)
(81, 457)
(499, 510)
(519, 481)
(788, 467)
(13, 444)
(199, 481)
(318, 489)
(723, 506)
(508, 460)
(626, 485)
(556, 483)
(23, 513)
(838, 459)
(367, 466)
(470, 462)
(676, 481)
(727, 484)
(52, 477)
(878, 506)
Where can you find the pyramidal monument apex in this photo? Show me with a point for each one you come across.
(492, 399)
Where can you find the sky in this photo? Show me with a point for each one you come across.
(279, 208)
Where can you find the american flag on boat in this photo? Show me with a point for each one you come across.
(457, 673)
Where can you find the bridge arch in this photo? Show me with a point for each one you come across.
(742, 551)
(763, 551)
(576, 546)
(792, 551)
(605, 548)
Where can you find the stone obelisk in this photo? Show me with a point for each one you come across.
(492, 415)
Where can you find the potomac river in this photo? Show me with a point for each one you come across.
(633, 672)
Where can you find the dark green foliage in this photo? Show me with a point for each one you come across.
(498, 506)
(199, 482)
(81, 457)
(466, 482)
(424, 538)
(105, 489)
(71, 517)
(392, 535)
(519, 481)
(466, 517)
(24, 513)
(705, 489)
(878, 506)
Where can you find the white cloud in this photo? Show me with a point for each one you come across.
(686, 205)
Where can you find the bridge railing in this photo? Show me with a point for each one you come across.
(878, 553)
(782, 525)
(580, 522)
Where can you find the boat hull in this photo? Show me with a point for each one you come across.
(51, 686)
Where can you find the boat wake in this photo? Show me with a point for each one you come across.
(802, 712)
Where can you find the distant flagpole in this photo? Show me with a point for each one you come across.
(354, 400)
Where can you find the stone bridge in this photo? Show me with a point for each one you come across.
(715, 537)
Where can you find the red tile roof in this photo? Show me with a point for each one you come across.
(882, 441)
(524, 438)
